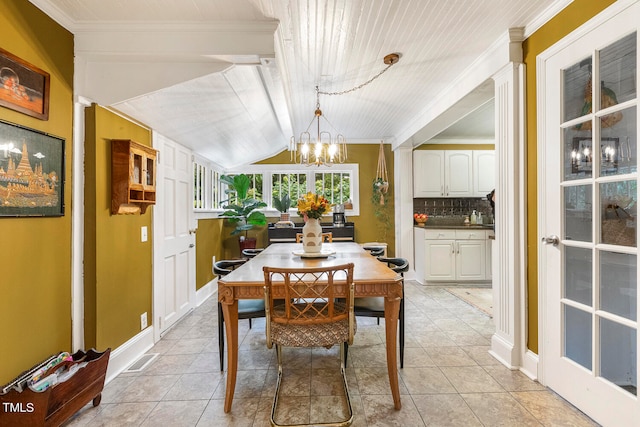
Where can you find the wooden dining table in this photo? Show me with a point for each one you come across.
(371, 277)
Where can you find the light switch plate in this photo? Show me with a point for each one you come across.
(143, 234)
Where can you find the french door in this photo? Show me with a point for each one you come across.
(588, 190)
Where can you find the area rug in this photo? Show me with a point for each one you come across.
(481, 298)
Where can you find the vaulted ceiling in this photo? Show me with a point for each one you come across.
(234, 79)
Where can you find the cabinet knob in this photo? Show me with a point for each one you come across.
(193, 230)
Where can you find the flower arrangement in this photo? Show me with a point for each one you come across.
(313, 206)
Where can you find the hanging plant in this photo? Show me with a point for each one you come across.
(380, 189)
(381, 183)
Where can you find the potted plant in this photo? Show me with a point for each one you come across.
(282, 205)
(242, 210)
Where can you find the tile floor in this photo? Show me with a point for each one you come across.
(449, 379)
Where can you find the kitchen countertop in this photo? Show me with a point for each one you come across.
(450, 226)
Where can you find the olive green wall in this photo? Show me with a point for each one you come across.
(118, 266)
(366, 224)
(35, 283)
(208, 244)
(576, 14)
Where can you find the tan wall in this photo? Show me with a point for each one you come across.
(35, 283)
(118, 266)
(577, 13)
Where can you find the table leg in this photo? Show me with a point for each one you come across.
(230, 312)
(391, 310)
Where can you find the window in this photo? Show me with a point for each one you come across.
(217, 190)
(199, 184)
(293, 184)
(334, 186)
(339, 184)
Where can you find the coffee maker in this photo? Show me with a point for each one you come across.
(339, 219)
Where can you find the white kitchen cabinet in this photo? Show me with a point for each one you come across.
(440, 257)
(458, 176)
(471, 249)
(489, 266)
(442, 173)
(418, 253)
(483, 172)
(459, 255)
(428, 173)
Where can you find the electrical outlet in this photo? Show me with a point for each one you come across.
(143, 321)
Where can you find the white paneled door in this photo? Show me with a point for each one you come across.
(588, 188)
(174, 236)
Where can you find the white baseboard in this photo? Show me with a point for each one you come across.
(206, 291)
(530, 365)
(503, 351)
(128, 353)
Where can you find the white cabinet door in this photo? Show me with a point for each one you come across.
(458, 173)
(483, 172)
(428, 173)
(418, 254)
(470, 259)
(440, 260)
(489, 266)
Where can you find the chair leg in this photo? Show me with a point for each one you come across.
(346, 353)
(402, 333)
(221, 336)
(249, 323)
(343, 359)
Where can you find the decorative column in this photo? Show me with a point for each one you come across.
(508, 344)
(403, 201)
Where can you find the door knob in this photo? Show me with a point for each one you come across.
(553, 240)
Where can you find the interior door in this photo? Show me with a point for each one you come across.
(174, 251)
(589, 274)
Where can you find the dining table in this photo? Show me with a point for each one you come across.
(371, 278)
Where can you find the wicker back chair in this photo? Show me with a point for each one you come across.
(247, 308)
(303, 309)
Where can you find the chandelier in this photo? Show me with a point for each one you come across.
(327, 149)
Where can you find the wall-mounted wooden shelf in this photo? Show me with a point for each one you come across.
(133, 177)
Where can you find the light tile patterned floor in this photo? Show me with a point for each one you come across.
(449, 379)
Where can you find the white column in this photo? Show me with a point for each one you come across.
(403, 200)
(77, 233)
(509, 284)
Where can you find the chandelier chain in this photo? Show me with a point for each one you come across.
(360, 86)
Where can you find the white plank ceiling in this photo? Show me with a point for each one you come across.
(234, 79)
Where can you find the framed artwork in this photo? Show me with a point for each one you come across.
(31, 172)
(23, 87)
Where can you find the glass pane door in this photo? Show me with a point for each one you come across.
(599, 193)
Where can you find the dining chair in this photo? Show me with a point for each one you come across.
(374, 306)
(247, 308)
(303, 311)
(250, 253)
(375, 251)
(326, 237)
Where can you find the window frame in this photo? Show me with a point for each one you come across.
(268, 169)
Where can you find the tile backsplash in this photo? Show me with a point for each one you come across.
(453, 207)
